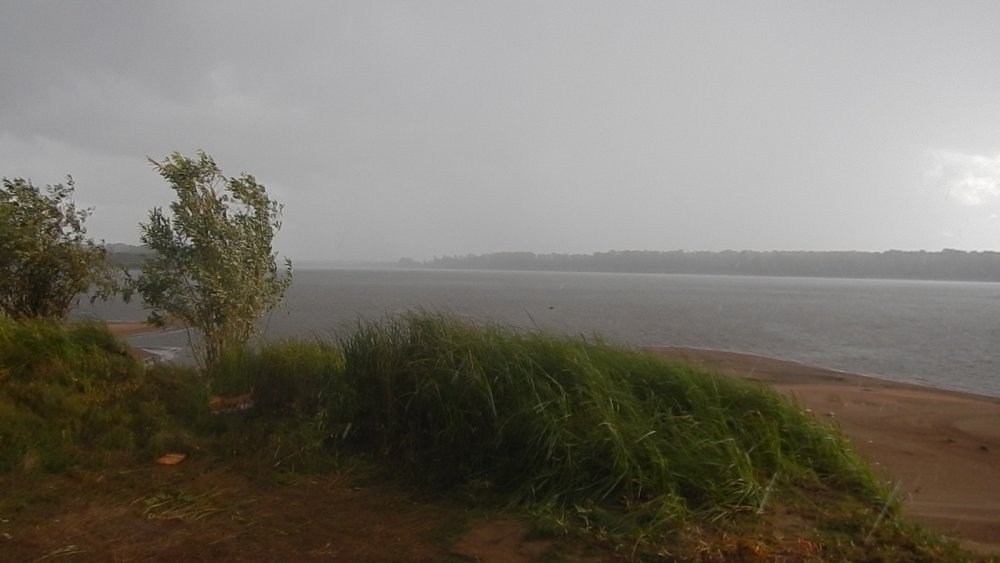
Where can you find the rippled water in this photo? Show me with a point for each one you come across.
(942, 334)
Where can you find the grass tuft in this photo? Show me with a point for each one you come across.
(582, 426)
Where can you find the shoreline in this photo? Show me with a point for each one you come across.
(940, 447)
(131, 328)
(738, 363)
(145, 354)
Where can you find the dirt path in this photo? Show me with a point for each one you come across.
(194, 512)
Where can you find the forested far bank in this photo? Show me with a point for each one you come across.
(954, 265)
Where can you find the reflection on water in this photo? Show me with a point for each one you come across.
(934, 333)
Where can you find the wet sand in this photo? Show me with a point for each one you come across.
(942, 448)
(128, 328)
(132, 328)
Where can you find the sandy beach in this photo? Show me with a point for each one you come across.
(129, 328)
(941, 448)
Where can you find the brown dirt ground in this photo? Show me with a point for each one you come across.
(196, 512)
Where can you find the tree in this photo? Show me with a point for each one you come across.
(46, 259)
(214, 270)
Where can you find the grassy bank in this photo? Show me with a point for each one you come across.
(74, 395)
(642, 457)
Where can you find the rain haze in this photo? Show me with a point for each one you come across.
(398, 129)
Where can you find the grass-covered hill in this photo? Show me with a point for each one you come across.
(586, 444)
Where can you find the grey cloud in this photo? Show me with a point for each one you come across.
(432, 128)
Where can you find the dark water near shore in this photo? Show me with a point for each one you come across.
(941, 334)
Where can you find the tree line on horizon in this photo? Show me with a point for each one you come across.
(945, 265)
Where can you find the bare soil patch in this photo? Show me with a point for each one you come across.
(196, 512)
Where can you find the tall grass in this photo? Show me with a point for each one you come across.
(303, 407)
(548, 419)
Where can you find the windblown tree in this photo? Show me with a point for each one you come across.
(214, 271)
(46, 259)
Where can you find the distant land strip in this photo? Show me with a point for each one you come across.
(949, 265)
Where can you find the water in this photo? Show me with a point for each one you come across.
(941, 334)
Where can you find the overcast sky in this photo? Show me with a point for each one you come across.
(392, 129)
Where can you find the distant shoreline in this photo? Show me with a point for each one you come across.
(922, 265)
(945, 265)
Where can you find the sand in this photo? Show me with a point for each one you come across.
(941, 448)
(128, 328)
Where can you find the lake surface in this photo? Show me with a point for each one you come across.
(941, 334)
